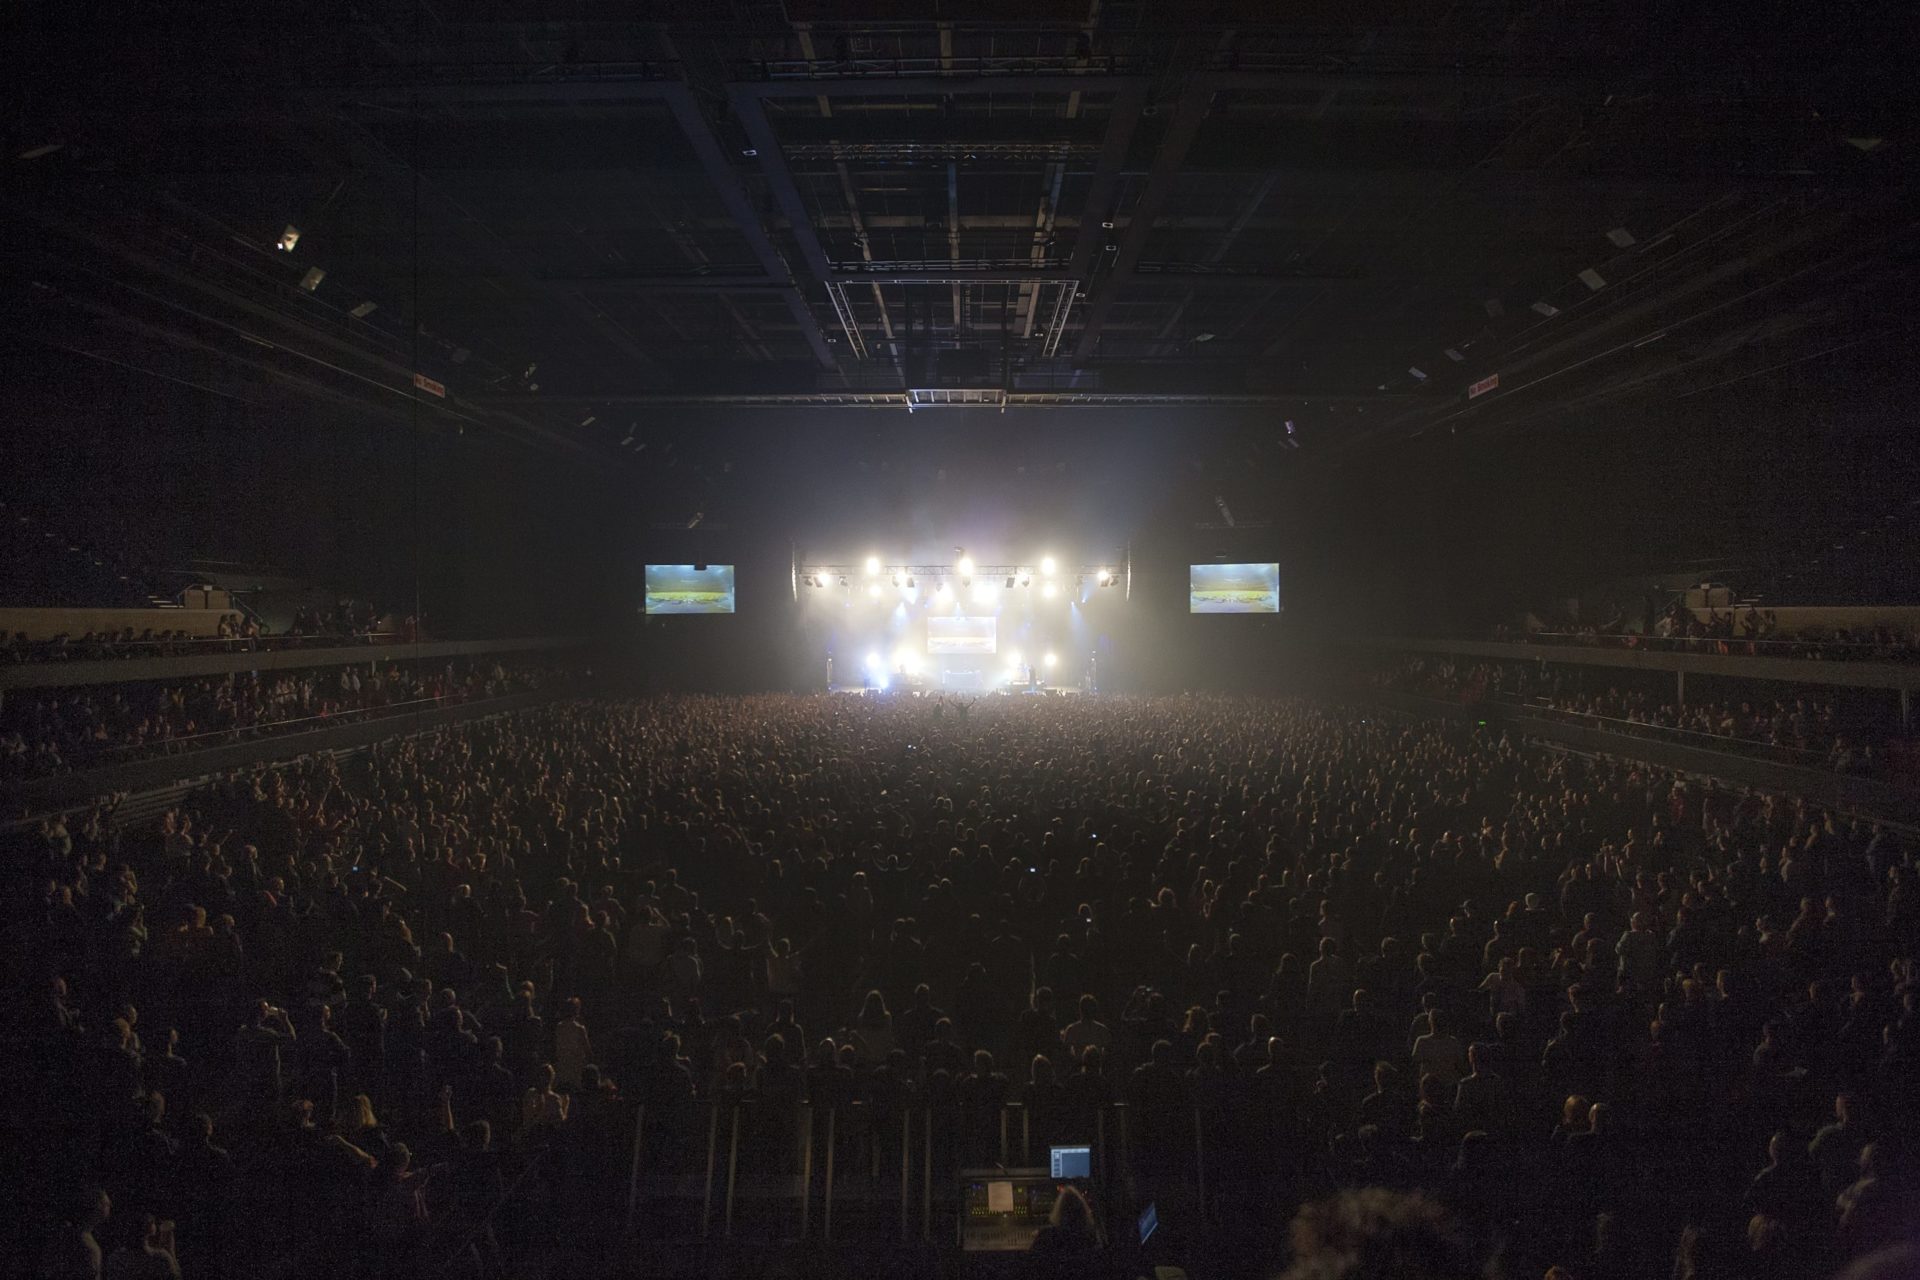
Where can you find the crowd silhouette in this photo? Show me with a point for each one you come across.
(326, 1018)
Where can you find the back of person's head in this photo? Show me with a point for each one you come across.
(1089, 1008)
(1375, 1234)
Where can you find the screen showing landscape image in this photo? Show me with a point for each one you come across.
(961, 635)
(1234, 588)
(689, 588)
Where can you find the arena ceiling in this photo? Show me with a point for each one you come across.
(563, 230)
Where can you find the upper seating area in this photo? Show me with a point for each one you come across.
(45, 565)
(1712, 622)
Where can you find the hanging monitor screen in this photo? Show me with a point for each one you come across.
(962, 635)
(689, 588)
(1233, 588)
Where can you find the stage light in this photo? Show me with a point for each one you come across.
(985, 593)
(843, 579)
(899, 579)
(1010, 582)
(965, 566)
(1051, 661)
(943, 592)
(910, 582)
(906, 660)
(873, 661)
(1049, 591)
(1104, 577)
(873, 565)
(1026, 578)
(1048, 566)
(312, 279)
(288, 238)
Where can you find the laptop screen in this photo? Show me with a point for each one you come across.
(1071, 1162)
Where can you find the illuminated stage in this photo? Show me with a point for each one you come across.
(960, 627)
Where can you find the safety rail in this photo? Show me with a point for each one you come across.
(214, 737)
(83, 650)
(1804, 757)
(1726, 646)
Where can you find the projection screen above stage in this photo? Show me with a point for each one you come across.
(689, 588)
(962, 635)
(1233, 588)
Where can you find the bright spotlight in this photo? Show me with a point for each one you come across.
(1026, 579)
(906, 660)
(1104, 577)
(1048, 566)
(873, 660)
(965, 566)
(1051, 661)
(1049, 591)
(873, 565)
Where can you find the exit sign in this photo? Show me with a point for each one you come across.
(1483, 386)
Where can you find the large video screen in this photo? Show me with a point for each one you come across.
(962, 635)
(1233, 588)
(689, 588)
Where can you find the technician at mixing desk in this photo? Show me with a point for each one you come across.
(1069, 1245)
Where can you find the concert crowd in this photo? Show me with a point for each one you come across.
(395, 1013)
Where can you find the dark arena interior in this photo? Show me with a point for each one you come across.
(1114, 639)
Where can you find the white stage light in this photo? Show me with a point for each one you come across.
(1051, 661)
(873, 565)
(944, 591)
(906, 660)
(1026, 578)
(965, 566)
(899, 579)
(873, 661)
(1104, 577)
(1049, 591)
(1048, 566)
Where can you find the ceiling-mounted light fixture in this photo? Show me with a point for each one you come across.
(312, 279)
(288, 238)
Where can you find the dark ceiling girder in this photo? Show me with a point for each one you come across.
(900, 399)
(1240, 281)
(733, 195)
(1195, 103)
(931, 86)
(406, 183)
(749, 99)
(678, 99)
(786, 193)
